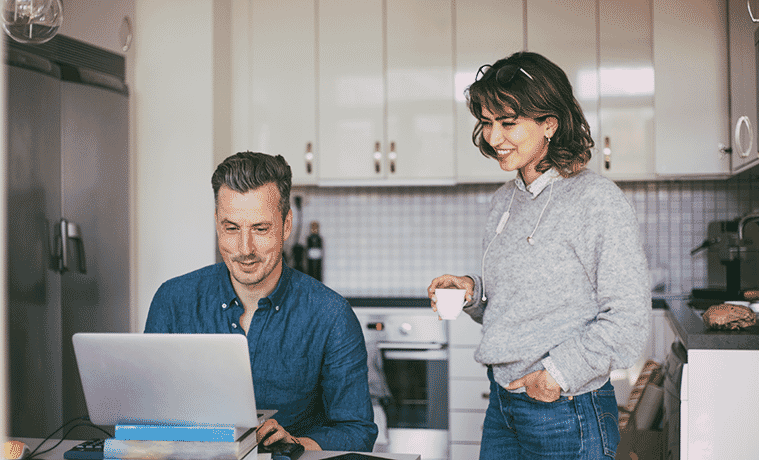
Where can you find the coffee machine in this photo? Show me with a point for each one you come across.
(732, 258)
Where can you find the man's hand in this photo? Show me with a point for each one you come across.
(540, 385)
(271, 431)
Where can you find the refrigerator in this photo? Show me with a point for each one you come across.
(68, 222)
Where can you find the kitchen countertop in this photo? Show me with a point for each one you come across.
(400, 302)
(687, 324)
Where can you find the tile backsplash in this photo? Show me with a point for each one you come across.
(392, 241)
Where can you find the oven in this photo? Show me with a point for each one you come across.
(407, 348)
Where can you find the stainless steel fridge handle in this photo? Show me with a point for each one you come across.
(70, 230)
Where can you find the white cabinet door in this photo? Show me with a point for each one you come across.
(351, 89)
(486, 31)
(625, 139)
(419, 76)
(565, 33)
(743, 110)
(690, 61)
(282, 68)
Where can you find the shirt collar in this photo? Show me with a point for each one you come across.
(539, 184)
(277, 296)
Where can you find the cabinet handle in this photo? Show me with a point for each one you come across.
(737, 137)
(70, 231)
(607, 153)
(750, 14)
(127, 38)
(392, 156)
(309, 158)
(485, 395)
(377, 158)
(724, 150)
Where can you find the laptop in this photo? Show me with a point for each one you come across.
(167, 379)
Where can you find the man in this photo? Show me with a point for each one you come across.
(307, 352)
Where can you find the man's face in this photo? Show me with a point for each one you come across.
(251, 235)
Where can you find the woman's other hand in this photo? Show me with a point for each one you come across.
(540, 385)
(450, 282)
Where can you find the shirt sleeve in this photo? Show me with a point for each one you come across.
(476, 309)
(345, 391)
(160, 315)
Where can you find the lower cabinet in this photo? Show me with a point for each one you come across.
(468, 389)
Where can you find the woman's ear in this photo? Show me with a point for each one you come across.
(551, 125)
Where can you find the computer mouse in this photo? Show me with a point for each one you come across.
(13, 450)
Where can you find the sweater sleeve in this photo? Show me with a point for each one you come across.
(610, 250)
(477, 308)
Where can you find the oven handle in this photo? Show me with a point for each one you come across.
(410, 345)
(415, 355)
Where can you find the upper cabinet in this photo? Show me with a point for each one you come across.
(385, 91)
(282, 84)
(691, 116)
(372, 92)
(106, 24)
(743, 108)
(485, 32)
(625, 133)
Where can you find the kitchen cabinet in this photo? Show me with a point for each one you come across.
(385, 92)
(282, 69)
(715, 404)
(106, 25)
(468, 389)
(485, 32)
(691, 104)
(625, 140)
(743, 110)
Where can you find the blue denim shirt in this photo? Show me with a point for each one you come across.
(307, 351)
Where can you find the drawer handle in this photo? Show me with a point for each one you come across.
(607, 153)
(392, 156)
(377, 158)
(486, 395)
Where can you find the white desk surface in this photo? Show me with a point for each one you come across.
(57, 453)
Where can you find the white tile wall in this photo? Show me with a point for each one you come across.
(391, 241)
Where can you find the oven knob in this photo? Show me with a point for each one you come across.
(405, 328)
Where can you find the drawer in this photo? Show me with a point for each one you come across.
(464, 331)
(461, 363)
(465, 451)
(468, 394)
(466, 426)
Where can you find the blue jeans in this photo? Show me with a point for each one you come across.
(521, 428)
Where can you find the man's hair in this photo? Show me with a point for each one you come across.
(246, 171)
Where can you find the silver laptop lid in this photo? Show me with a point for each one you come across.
(174, 379)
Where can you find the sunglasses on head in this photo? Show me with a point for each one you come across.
(505, 75)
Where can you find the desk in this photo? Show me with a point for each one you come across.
(57, 453)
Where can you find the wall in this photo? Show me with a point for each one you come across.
(392, 241)
(173, 98)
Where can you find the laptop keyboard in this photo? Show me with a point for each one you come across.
(87, 450)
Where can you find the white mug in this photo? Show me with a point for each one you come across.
(450, 302)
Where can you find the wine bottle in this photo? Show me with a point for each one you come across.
(314, 252)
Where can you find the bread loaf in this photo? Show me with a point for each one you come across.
(729, 316)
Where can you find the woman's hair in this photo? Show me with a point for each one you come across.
(246, 171)
(533, 87)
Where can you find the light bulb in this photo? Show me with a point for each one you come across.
(32, 21)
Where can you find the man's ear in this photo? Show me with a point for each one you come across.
(288, 225)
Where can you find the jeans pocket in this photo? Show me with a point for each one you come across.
(605, 405)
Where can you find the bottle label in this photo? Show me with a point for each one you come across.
(314, 253)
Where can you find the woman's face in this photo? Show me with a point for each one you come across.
(520, 143)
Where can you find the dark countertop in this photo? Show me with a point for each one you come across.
(415, 302)
(687, 324)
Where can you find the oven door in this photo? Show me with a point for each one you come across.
(417, 408)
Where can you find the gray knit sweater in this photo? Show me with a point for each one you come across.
(577, 301)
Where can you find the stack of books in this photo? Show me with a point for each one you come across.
(166, 442)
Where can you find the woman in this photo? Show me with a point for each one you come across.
(564, 296)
